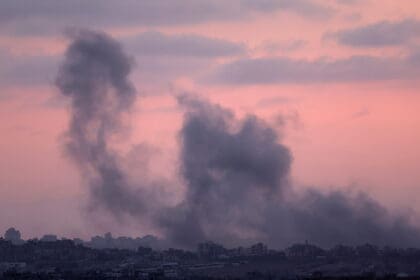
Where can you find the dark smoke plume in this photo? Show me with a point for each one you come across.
(94, 75)
(236, 172)
(231, 170)
(238, 190)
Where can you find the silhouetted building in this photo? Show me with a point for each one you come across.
(210, 250)
(258, 249)
(304, 251)
(49, 238)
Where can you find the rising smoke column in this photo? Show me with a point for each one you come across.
(94, 76)
(232, 169)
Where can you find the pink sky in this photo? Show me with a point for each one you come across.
(344, 133)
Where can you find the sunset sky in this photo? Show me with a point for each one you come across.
(338, 79)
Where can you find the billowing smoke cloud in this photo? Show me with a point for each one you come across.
(238, 191)
(94, 75)
(339, 217)
(231, 170)
(236, 172)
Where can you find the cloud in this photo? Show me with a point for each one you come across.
(306, 8)
(380, 34)
(160, 44)
(107, 13)
(283, 70)
(21, 17)
(26, 70)
(162, 58)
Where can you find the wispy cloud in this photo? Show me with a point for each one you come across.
(159, 44)
(379, 34)
(21, 17)
(26, 70)
(284, 70)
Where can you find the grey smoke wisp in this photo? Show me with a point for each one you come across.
(236, 172)
(94, 75)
